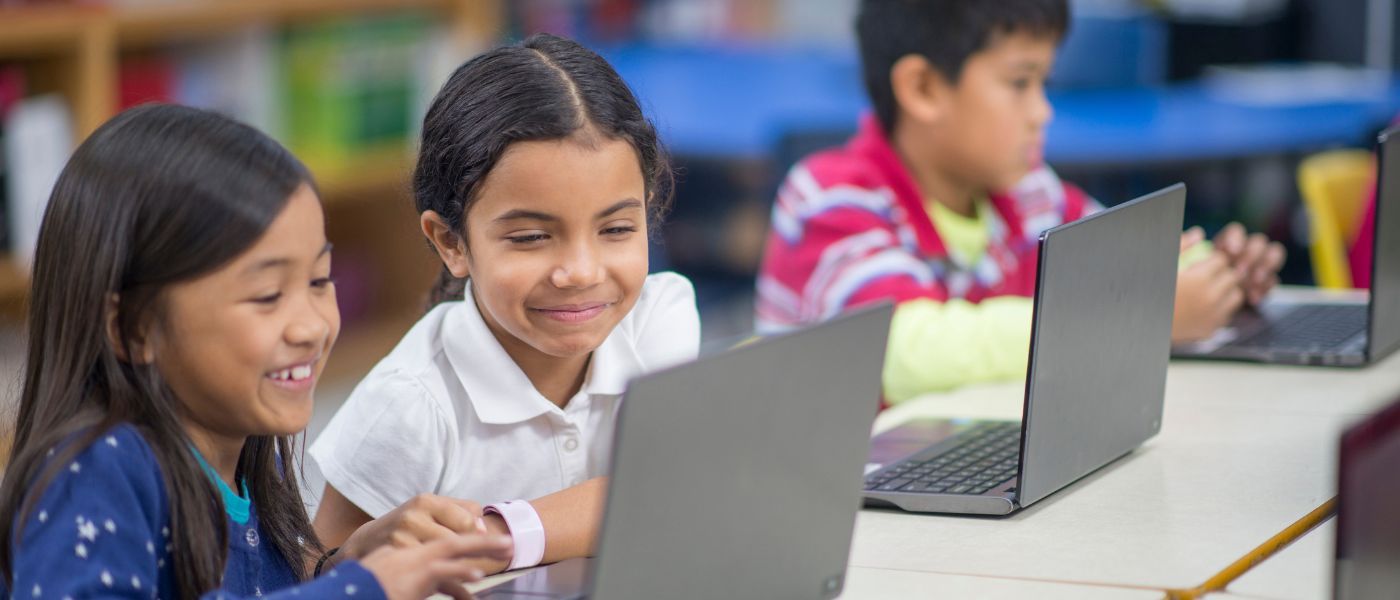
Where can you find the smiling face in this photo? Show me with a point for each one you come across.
(242, 347)
(992, 126)
(556, 245)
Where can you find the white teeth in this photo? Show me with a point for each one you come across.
(293, 374)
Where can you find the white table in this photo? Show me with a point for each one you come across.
(1302, 571)
(883, 584)
(1244, 452)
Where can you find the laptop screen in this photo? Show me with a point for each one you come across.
(1385, 262)
(1368, 521)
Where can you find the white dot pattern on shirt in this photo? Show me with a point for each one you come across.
(43, 516)
(37, 591)
(75, 467)
(106, 578)
(350, 590)
(110, 526)
(135, 582)
(87, 530)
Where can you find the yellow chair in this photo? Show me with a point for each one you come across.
(1335, 185)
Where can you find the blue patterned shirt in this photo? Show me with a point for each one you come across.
(102, 530)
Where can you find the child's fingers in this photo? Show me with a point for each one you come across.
(471, 507)
(1256, 248)
(1274, 257)
(472, 546)
(1231, 239)
(1215, 266)
(460, 516)
(1256, 294)
(1234, 299)
(1191, 237)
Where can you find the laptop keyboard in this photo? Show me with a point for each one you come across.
(983, 458)
(1310, 328)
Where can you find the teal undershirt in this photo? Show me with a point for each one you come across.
(235, 505)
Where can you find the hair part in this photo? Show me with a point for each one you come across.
(544, 88)
(158, 195)
(946, 33)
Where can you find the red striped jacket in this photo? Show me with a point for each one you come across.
(849, 227)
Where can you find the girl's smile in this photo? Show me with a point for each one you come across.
(297, 378)
(573, 313)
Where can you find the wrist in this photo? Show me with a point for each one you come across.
(518, 519)
(327, 560)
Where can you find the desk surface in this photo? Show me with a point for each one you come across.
(881, 584)
(1302, 571)
(738, 101)
(1244, 452)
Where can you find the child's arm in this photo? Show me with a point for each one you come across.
(571, 518)
(340, 524)
(936, 346)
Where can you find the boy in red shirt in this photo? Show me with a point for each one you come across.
(939, 199)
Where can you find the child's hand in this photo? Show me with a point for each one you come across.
(416, 571)
(421, 520)
(1207, 294)
(1254, 258)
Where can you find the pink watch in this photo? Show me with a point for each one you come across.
(526, 531)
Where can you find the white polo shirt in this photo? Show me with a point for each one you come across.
(448, 412)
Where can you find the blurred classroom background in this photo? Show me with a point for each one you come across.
(1229, 96)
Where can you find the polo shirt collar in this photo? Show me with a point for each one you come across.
(498, 390)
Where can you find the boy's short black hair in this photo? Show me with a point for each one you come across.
(945, 32)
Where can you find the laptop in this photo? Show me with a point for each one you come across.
(736, 476)
(1100, 343)
(1335, 333)
(1368, 522)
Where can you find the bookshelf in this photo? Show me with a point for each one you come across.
(76, 51)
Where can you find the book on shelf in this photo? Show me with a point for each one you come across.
(11, 91)
(38, 141)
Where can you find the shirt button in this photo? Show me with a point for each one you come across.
(571, 444)
(251, 536)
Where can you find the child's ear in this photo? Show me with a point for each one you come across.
(145, 354)
(920, 90)
(451, 248)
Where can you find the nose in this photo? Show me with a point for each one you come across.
(1042, 113)
(313, 322)
(580, 267)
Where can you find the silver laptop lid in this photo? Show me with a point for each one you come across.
(739, 475)
(1385, 258)
(1100, 340)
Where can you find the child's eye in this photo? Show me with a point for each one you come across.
(527, 239)
(322, 282)
(619, 230)
(268, 299)
(1021, 84)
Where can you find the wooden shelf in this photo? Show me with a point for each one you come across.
(76, 51)
(43, 30)
(14, 279)
(163, 22)
(373, 173)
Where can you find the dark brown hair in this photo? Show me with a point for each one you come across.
(945, 32)
(544, 88)
(158, 195)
